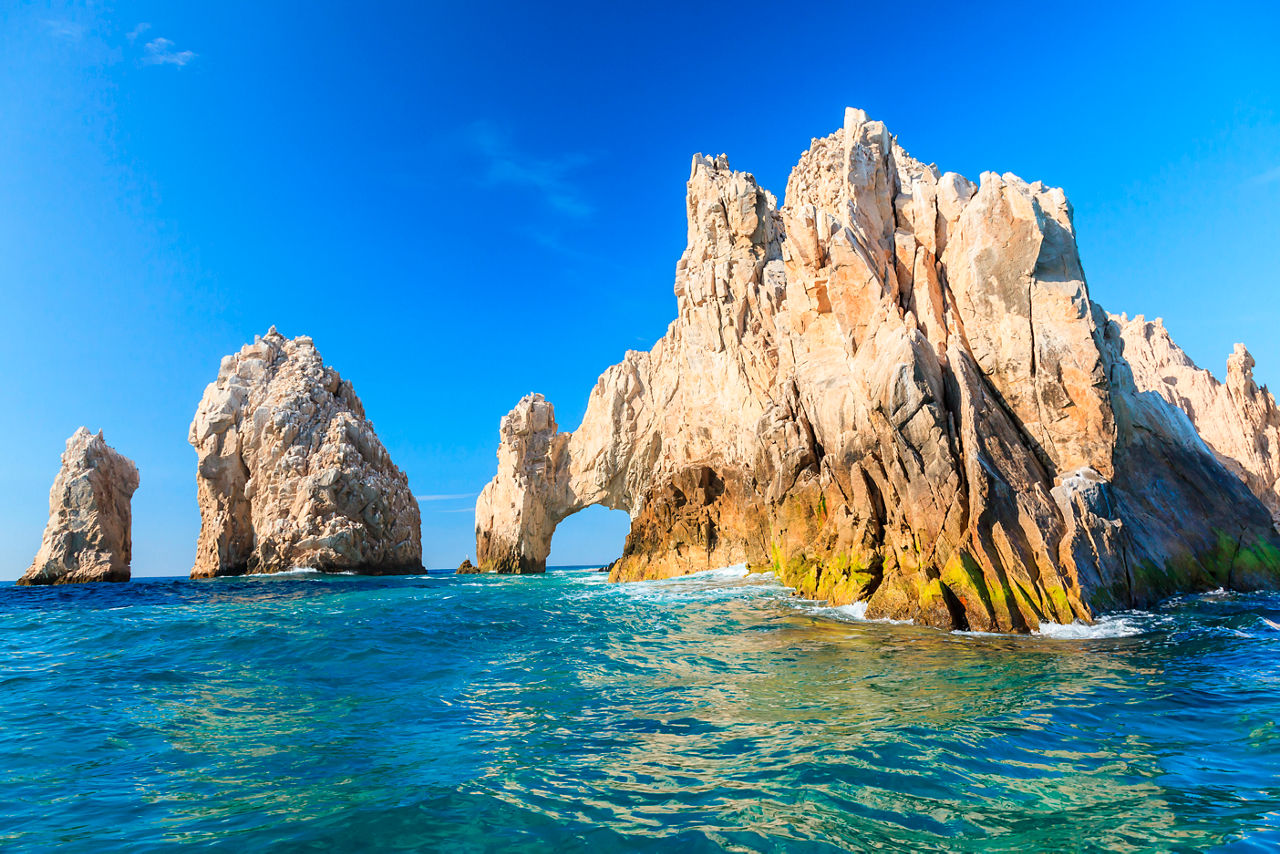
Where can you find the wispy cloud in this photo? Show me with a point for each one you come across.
(137, 31)
(65, 29)
(451, 497)
(1269, 177)
(160, 52)
(506, 166)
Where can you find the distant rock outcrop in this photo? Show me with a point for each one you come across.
(1238, 420)
(291, 474)
(88, 537)
(896, 389)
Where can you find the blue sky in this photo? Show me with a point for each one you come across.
(464, 203)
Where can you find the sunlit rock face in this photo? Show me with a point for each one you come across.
(292, 474)
(89, 534)
(895, 389)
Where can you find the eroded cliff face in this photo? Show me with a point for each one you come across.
(89, 534)
(1238, 420)
(894, 389)
(292, 474)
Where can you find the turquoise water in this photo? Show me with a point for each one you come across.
(562, 713)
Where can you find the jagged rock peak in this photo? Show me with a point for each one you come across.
(1239, 421)
(292, 474)
(894, 389)
(88, 537)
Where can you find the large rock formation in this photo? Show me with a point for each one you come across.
(291, 473)
(894, 389)
(1238, 420)
(88, 537)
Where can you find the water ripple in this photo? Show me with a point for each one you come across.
(708, 713)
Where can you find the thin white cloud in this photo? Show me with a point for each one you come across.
(160, 52)
(1268, 177)
(137, 31)
(65, 29)
(451, 497)
(506, 166)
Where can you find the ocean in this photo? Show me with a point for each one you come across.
(714, 712)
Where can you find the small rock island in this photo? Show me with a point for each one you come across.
(291, 473)
(89, 534)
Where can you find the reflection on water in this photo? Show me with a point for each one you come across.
(563, 713)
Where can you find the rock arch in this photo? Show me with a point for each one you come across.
(897, 390)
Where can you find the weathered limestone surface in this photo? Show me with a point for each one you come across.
(1238, 420)
(89, 535)
(292, 474)
(895, 389)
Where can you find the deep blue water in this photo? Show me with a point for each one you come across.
(562, 713)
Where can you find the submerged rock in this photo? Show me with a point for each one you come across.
(292, 474)
(89, 535)
(894, 390)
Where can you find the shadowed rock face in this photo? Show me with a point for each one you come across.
(894, 389)
(1238, 420)
(291, 473)
(88, 537)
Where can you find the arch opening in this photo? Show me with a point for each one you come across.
(593, 537)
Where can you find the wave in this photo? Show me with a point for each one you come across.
(724, 582)
(852, 613)
(1109, 626)
(737, 570)
(294, 572)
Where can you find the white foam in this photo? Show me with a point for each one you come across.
(721, 583)
(737, 570)
(858, 610)
(852, 613)
(295, 571)
(1106, 627)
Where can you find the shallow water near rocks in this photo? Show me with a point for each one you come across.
(563, 713)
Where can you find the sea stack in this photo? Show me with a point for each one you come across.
(88, 537)
(894, 389)
(518, 511)
(291, 473)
